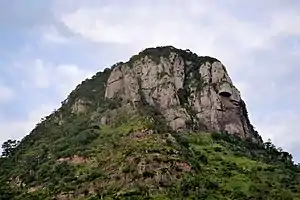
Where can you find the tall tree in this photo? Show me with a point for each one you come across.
(8, 147)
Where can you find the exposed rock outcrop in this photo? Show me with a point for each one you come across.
(191, 92)
(79, 106)
(73, 160)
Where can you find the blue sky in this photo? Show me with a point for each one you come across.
(48, 47)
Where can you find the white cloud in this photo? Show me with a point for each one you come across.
(40, 74)
(207, 29)
(282, 128)
(16, 129)
(285, 22)
(6, 94)
(51, 34)
(69, 76)
(46, 77)
(62, 78)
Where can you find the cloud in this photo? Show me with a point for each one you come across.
(186, 25)
(42, 86)
(15, 129)
(51, 34)
(71, 76)
(6, 94)
(62, 78)
(142, 25)
(282, 128)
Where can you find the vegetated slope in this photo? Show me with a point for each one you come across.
(133, 161)
(135, 154)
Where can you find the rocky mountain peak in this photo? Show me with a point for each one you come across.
(191, 92)
(155, 127)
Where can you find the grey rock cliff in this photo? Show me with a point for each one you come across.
(191, 92)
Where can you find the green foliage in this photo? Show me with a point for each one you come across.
(122, 165)
(8, 147)
(164, 51)
(226, 175)
(6, 193)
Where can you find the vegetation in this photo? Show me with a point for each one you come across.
(134, 160)
(163, 52)
(8, 147)
(92, 90)
(135, 155)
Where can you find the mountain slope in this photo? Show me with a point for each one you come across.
(154, 127)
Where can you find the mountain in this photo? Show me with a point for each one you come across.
(167, 124)
(191, 92)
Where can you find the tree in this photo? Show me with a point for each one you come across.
(8, 147)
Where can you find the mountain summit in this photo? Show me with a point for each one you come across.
(166, 125)
(191, 92)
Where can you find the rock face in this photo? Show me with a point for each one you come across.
(191, 92)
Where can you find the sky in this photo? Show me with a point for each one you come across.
(48, 47)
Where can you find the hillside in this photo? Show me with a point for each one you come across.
(167, 124)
